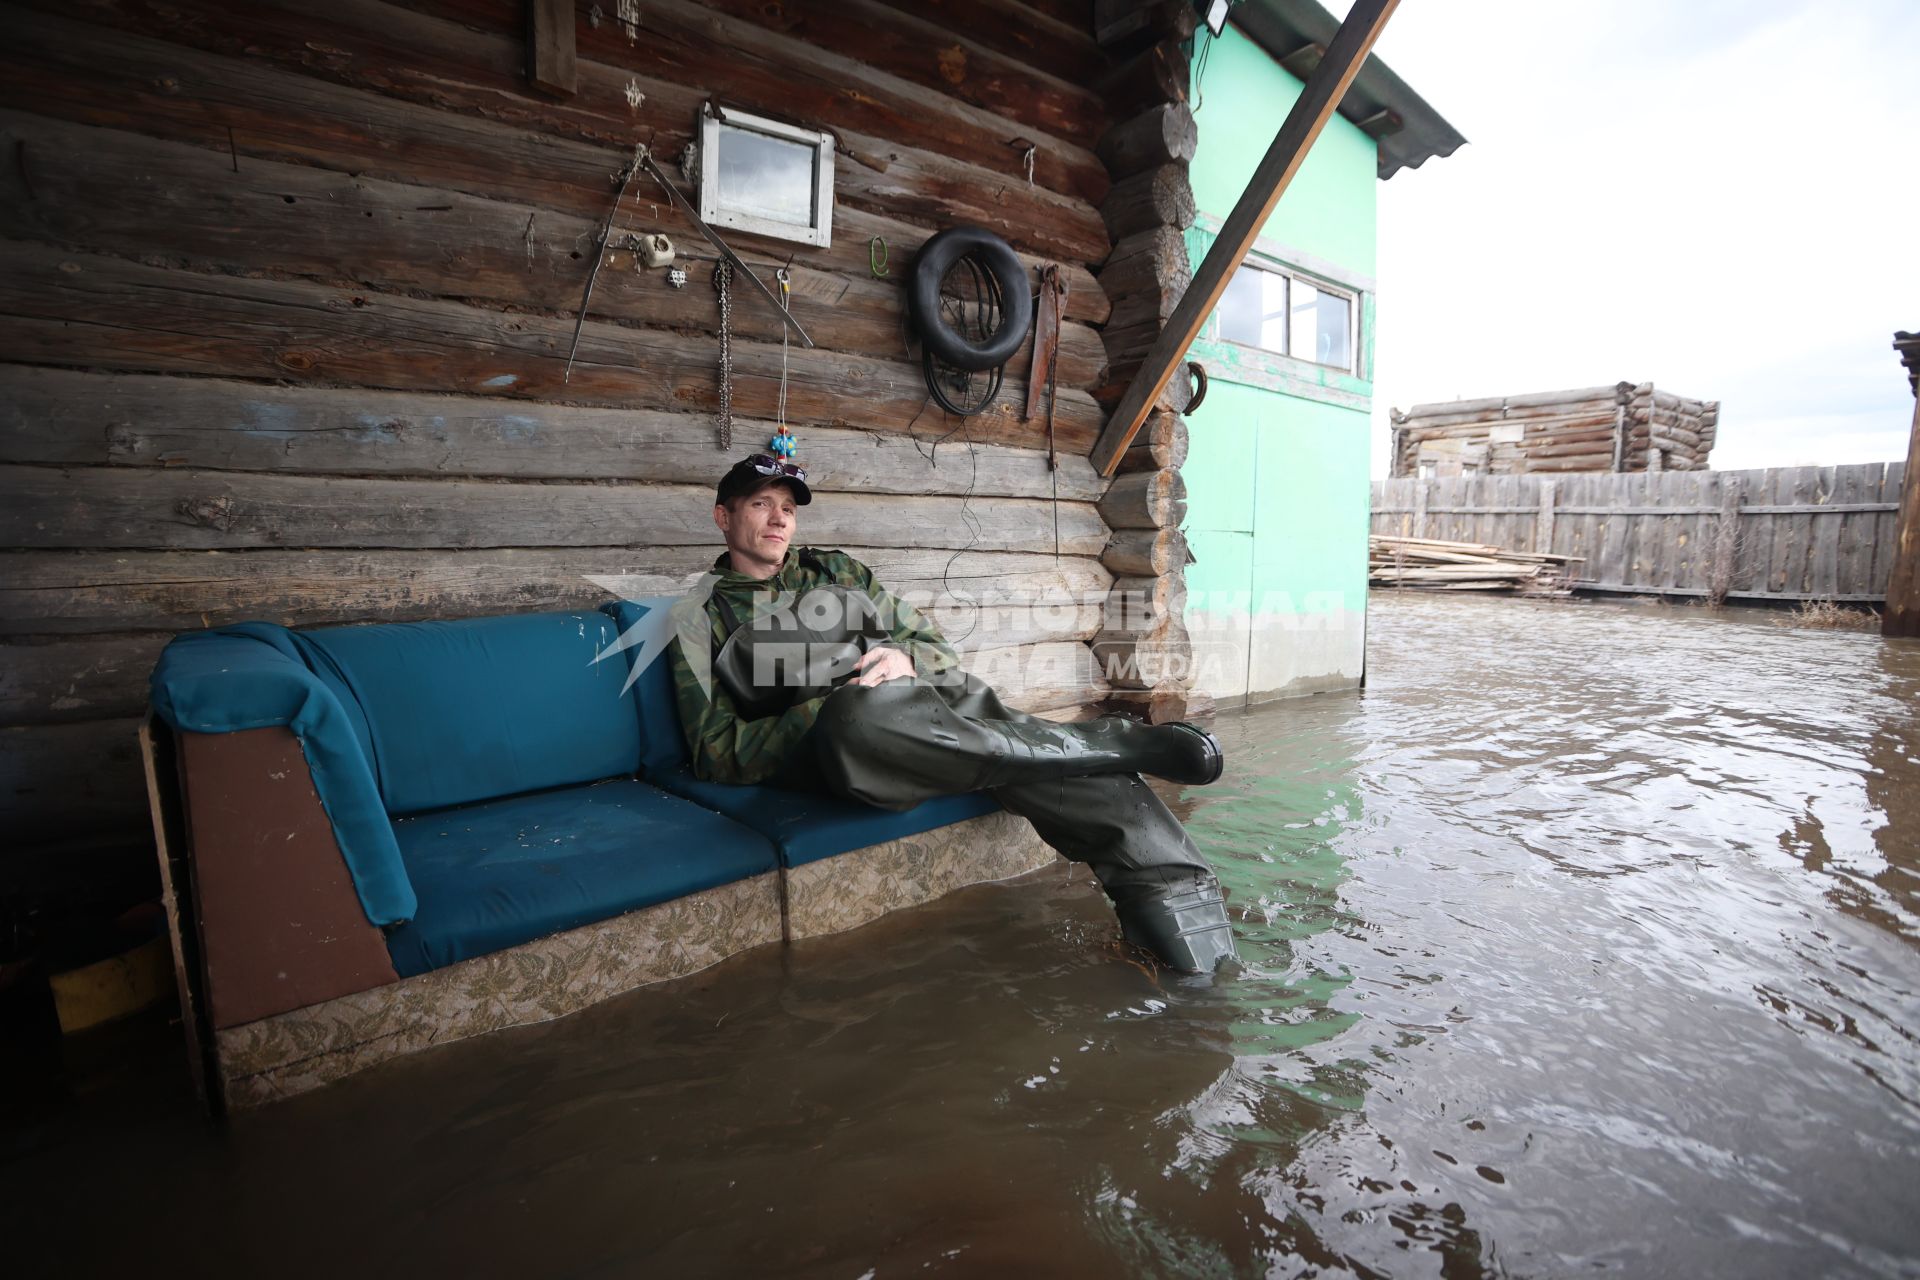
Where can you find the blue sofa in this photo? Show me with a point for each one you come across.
(470, 788)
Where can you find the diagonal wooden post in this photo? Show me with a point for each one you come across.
(1321, 94)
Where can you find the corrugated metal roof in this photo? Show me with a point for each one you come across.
(1408, 131)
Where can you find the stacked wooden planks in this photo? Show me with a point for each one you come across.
(1432, 565)
(1624, 427)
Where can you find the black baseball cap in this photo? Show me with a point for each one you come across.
(749, 475)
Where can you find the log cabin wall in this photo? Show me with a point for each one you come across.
(289, 290)
(1627, 427)
(1145, 650)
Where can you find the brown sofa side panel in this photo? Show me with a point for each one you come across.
(280, 925)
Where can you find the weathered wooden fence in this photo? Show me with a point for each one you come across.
(1793, 533)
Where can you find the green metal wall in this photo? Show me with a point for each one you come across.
(1277, 475)
(1328, 209)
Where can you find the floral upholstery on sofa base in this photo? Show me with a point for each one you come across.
(291, 1053)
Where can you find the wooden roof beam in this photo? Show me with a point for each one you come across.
(1317, 100)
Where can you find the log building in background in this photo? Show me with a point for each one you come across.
(1625, 427)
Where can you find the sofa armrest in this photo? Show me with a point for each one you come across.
(279, 924)
(251, 676)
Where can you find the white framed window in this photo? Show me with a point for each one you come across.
(765, 176)
(1289, 314)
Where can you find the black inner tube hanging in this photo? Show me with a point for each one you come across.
(971, 305)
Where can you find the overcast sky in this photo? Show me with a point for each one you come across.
(1717, 195)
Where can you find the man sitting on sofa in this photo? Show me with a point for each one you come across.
(815, 675)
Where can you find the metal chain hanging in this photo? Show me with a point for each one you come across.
(785, 278)
(722, 282)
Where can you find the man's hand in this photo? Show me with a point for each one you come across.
(877, 666)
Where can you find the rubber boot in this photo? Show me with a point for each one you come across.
(1032, 749)
(899, 744)
(1184, 924)
(1166, 897)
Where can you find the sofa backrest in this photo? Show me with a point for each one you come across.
(479, 708)
(646, 627)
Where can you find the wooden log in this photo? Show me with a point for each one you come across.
(1145, 279)
(833, 87)
(1676, 437)
(918, 51)
(68, 417)
(1124, 24)
(1161, 135)
(1675, 446)
(1150, 199)
(1149, 258)
(104, 313)
(1138, 604)
(1598, 446)
(1585, 410)
(1531, 400)
(1578, 462)
(69, 680)
(969, 627)
(1041, 677)
(1061, 47)
(1162, 442)
(1145, 500)
(79, 73)
(451, 56)
(1665, 401)
(1158, 75)
(476, 72)
(73, 593)
(98, 187)
(1161, 705)
(1578, 419)
(71, 783)
(1145, 657)
(1145, 552)
(84, 507)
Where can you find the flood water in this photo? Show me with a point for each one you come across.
(1587, 939)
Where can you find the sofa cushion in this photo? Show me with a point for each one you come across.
(806, 827)
(256, 674)
(493, 875)
(646, 628)
(476, 709)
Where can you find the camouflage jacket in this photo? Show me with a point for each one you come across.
(726, 747)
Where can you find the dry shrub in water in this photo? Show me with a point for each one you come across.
(1832, 614)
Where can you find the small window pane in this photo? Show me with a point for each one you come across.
(1253, 310)
(766, 177)
(1321, 325)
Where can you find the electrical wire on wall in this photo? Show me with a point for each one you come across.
(973, 310)
(1204, 38)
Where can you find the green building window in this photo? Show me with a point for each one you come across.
(1287, 315)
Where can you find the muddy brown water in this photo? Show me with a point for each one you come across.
(1587, 939)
